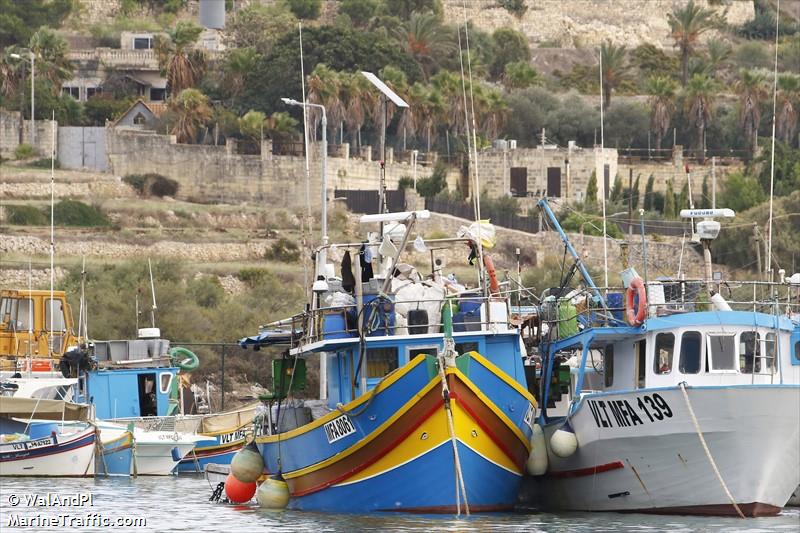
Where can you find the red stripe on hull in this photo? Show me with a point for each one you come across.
(581, 472)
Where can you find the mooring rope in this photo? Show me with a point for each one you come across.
(460, 486)
(708, 452)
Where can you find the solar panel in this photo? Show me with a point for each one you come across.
(382, 87)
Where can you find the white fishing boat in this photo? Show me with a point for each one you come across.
(66, 452)
(675, 409)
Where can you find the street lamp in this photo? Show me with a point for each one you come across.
(33, 75)
(324, 223)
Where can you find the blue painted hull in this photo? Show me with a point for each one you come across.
(427, 484)
(116, 463)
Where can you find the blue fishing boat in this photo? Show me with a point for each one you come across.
(424, 402)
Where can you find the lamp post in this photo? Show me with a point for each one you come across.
(33, 77)
(321, 258)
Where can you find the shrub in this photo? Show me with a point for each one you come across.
(152, 184)
(305, 9)
(75, 213)
(206, 291)
(590, 225)
(405, 183)
(44, 163)
(430, 187)
(283, 250)
(25, 215)
(254, 277)
(25, 151)
(752, 54)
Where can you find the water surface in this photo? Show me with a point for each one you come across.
(181, 504)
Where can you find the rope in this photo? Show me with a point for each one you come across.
(708, 452)
(451, 430)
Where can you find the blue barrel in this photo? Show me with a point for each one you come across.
(334, 325)
(616, 304)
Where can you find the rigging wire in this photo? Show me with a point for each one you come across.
(768, 264)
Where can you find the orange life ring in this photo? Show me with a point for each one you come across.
(494, 286)
(636, 316)
(38, 365)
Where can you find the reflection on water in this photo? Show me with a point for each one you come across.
(181, 504)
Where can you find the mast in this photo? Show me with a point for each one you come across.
(603, 177)
(52, 225)
(768, 267)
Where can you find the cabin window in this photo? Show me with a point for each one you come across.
(414, 351)
(17, 313)
(641, 363)
(770, 352)
(608, 365)
(691, 351)
(796, 351)
(749, 360)
(55, 310)
(166, 381)
(148, 402)
(722, 353)
(381, 361)
(465, 347)
(665, 347)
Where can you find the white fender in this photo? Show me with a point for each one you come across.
(536, 465)
(564, 442)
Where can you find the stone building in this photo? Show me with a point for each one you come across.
(546, 170)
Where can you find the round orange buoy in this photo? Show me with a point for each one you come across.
(636, 314)
(238, 492)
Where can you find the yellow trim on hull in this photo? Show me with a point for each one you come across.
(496, 370)
(389, 380)
(369, 438)
(435, 433)
(485, 399)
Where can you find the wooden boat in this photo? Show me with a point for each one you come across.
(68, 453)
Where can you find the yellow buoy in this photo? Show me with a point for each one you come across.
(247, 465)
(273, 494)
(564, 442)
(536, 465)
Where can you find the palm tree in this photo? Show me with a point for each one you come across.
(519, 75)
(181, 64)
(323, 88)
(425, 39)
(239, 62)
(788, 96)
(449, 86)
(191, 111)
(428, 107)
(495, 113)
(662, 105)
(51, 50)
(352, 90)
(10, 71)
(700, 94)
(615, 68)
(751, 91)
(686, 25)
(280, 126)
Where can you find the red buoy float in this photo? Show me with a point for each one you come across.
(636, 314)
(238, 491)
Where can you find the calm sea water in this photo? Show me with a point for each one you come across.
(181, 504)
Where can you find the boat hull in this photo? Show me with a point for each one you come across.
(159, 458)
(65, 455)
(628, 460)
(394, 451)
(117, 456)
(215, 449)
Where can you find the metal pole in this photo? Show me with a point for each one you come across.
(222, 387)
(324, 216)
(714, 182)
(33, 99)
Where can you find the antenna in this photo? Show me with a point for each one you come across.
(305, 146)
(153, 292)
(768, 267)
(52, 225)
(602, 178)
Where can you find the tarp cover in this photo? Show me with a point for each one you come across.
(14, 407)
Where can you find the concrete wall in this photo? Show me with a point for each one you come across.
(675, 170)
(217, 173)
(9, 134)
